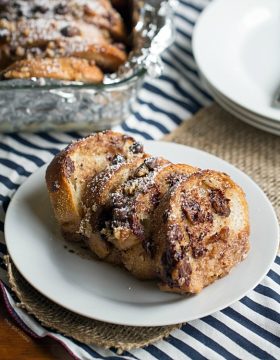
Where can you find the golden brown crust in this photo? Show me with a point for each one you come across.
(97, 12)
(71, 169)
(60, 38)
(70, 69)
(107, 56)
(201, 233)
(92, 30)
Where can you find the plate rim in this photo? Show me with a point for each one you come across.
(168, 322)
(230, 107)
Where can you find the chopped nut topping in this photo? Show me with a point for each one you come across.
(130, 187)
(142, 170)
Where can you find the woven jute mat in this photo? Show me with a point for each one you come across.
(213, 130)
(78, 327)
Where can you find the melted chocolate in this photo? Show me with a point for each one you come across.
(219, 203)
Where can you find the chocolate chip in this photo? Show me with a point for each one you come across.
(70, 31)
(117, 200)
(172, 258)
(219, 203)
(35, 51)
(192, 210)
(136, 227)
(40, 9)
(120, 214)
(69, 167)
(198, 252)
(155, 198)
(5, 15)
(173, 179)
(136, 148)
(117, 159)
(19, 13)
(151, 163)
(61, 9)
(4, 4)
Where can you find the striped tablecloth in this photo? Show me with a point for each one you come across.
(249, 329)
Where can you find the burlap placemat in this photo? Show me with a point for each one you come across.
(253, 151)
(81, 328)
(214, 130)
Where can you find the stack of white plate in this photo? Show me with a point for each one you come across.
(236, 45)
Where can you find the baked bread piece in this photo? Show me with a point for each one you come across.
(92, 30)
(200, 232)
(134, 202)
(29, 38)
(97, 12)
(70, 171)
(71, 69)
(125, 228)
(97, 200)
(139, 259)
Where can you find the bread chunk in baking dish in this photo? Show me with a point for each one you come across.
(48, 38)
(89, 29)
(71, 69)
(97, 12)
(200, 232)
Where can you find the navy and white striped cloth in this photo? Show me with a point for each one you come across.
(249, 329)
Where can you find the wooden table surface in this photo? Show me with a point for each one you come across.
(15, 344)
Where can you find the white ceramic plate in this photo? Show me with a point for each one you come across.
(101, 291)
(236, 46)
(247, 117)
(240, 110)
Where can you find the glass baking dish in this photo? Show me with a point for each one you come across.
(65, 107)
(44, 104)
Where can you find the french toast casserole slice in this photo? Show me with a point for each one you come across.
(201, 231)
(70, 171)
